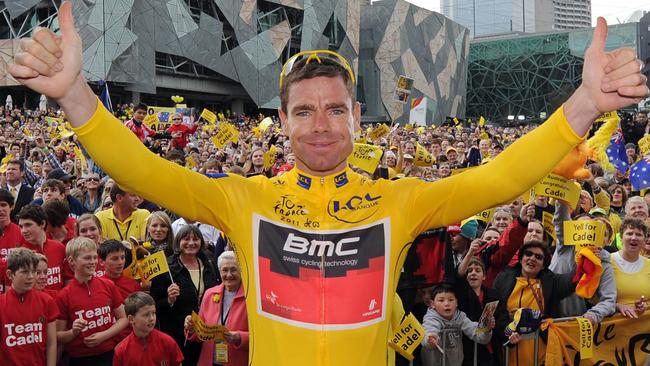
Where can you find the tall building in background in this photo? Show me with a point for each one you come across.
(572, 14)
(491, 17)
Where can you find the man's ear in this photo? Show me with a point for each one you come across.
(356, 115)
(284, 123)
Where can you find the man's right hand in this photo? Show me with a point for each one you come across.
(47, 63)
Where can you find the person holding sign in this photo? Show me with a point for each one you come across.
(632, 270)
(342, 209)
(224, 305)
(180, 131)
(193, 272)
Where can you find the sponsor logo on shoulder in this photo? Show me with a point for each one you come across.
(355, 209)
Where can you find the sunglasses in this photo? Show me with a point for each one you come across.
(107, 205)
(320, 56)
(539, 257)
(93, 179)
(177, 119)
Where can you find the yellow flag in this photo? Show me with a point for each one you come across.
(644, 145)
(366, 157)
(27, 132)
(227, 133)
(421, 130)
(221, 117)
(133, 270)
(408, 127)
(209, 116)
(266, 122)
(207, 332)
(481, 121)
(190, 162)
(52, 120)
(269, 157)
(422, 156)
(485, 216)
(153, 266)
(456, 121)
(407, 337)
(257, 132)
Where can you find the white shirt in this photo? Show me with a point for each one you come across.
(628, 267)
(210, 233)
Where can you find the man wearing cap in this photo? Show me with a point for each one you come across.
(461, 237)
(76, 208)
(321, 246)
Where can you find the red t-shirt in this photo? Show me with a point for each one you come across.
(24, 320)
(95, 302)
(161, 349)
(3, 275)
(10, 238)
(55, 253)
(125, 285)
(69, 226)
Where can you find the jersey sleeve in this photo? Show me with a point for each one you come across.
(62, 305)
(516, 169)
(51, 309)
(189, 194)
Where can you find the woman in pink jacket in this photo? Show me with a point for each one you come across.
(224, 304)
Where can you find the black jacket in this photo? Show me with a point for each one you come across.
(172, 318)
(25, 196)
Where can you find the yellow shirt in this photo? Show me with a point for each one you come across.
(320, 256)
(522, 296)
(134, 225)
(630, 286)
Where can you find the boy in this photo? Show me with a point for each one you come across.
(146, 346)
(444, 316)
(113, 257)
(32, 221)
(91, 309)
(27, 316)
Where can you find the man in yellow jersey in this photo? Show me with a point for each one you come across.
(320, 247)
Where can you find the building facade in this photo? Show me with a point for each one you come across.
(229, 53)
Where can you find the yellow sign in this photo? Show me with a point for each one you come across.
(586, 338)
(209, 116)
(485, 216)
(190, 162)
(584, 233)
(547, 223)
(379, 132)
(365, 157)
(82, 159)
(153, 266)
(52, 120)
(423, 157)
(408, 336)
(644, 145)
(269, 157)
(558, 187)
(481, 121)
(207, 332)
(151, 119)
(227, 133)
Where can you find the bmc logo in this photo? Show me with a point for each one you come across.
(355, 209)
(299, 245)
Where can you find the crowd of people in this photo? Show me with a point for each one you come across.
(58, 204)
(327, 295)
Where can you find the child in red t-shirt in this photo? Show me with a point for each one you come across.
(113, 258)
(146, 346)
(91, 308)
(40, 283)
(27, 316)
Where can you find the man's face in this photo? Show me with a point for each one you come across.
(13, 173)
(320, 122)
(139, 115)
(37, 167)
(5, 213)
(642, 118)
(128, 201)
(409, 148)
(23, 279)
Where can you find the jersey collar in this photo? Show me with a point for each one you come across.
(307, 181)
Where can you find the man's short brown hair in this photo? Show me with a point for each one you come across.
(302, 71)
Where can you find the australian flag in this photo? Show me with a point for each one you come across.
(104, 96)
(616, 151)
(640, 174)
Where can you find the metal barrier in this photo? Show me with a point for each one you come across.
(535, 337)
(443, 337)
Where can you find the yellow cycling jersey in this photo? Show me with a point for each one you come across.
(321, 256)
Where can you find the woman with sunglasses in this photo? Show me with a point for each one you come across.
(631, 269)
(92, 197)
(530, 284)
